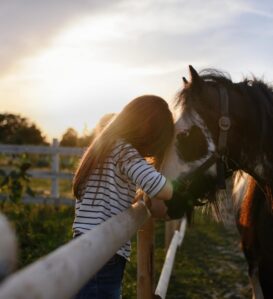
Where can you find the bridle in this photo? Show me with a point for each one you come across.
(225, 166)
(219, 157)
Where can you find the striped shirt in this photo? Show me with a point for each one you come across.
(112, 191)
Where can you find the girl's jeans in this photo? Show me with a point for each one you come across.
(106, 284)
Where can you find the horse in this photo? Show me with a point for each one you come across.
(222, 128)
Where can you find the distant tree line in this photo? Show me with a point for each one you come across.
(72, 138)
(16, 129)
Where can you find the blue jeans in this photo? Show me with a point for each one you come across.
(106, 284)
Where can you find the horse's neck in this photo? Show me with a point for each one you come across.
(263, 175)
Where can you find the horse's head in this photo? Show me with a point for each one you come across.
(211, 131)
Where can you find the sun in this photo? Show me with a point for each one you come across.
(75, 62)
(86, 71)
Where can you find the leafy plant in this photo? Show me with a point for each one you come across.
(15, 183)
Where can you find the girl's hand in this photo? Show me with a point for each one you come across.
(158, 209)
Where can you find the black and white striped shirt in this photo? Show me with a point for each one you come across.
(112, 192)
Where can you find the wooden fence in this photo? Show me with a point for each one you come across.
(62, 273)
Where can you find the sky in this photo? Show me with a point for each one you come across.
(66, 63)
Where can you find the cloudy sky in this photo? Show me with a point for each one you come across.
(66, 63)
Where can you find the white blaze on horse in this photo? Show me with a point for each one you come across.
(225, 127)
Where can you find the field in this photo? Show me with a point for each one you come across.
(209, 263)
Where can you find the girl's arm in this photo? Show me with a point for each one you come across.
(166, 191)
(156, 204)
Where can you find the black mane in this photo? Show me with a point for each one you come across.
(253, 87)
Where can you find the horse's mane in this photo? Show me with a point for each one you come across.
(254, 86)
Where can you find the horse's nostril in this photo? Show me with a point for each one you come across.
(191, 144)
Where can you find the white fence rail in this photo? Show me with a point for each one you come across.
(55, 151)
(163, 283)
(63, 272)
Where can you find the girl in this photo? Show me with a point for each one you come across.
(112, 169)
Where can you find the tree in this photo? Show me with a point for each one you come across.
(15, 129)
(86, 139)
(69, 138)
(72, 138)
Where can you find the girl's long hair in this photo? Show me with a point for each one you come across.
(146, 123)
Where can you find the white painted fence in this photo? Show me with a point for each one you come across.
(54, 174)
(162, 286)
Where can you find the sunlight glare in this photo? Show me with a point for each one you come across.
(70, 68)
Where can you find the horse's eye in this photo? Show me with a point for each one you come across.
(191, 145)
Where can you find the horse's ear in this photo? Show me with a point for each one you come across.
(196, 80)
(185, 81)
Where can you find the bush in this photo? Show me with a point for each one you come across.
(15, 183)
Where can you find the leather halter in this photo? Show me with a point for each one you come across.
(224, 126)
(219, 156)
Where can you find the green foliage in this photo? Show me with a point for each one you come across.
(69, 138)
(15, 183)
(40, 229)
(15, 129)
(72, 138)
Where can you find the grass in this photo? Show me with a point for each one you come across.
(209, 263)
(42, 187)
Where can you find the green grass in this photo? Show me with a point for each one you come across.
(40, 229)
(42, 187)
(209, 263)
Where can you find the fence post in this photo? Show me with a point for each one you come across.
(145, 260)
(55, 167)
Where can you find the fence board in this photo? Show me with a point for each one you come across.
(54, 174)
(36, 149)
(162, 286)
